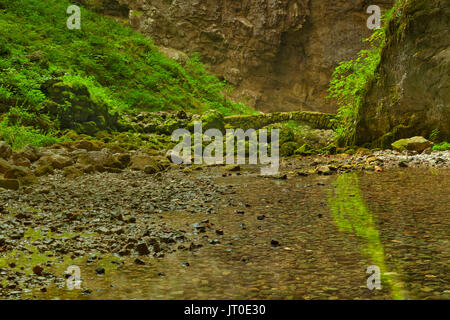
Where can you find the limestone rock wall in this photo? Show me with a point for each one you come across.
(412, 94)
(279, 54)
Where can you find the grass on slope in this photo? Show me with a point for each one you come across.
(119, 66)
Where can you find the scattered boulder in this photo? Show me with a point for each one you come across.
(18, 160)
(43, 170)
(10, 184)
(324, 170)
(24, 175)
(100, 271)
(124, 159)
(417, 143)
(38, 270)
(148, 163)
(5, 150)
(17, 172)
(29, 152)
(142, 249)
(4, 165)
(72, 172)
(86, 145)
(56, 161)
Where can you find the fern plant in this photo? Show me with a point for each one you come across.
(351, 80)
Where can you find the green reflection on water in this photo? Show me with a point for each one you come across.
(351, 215)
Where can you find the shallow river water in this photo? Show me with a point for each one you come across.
(302, 238)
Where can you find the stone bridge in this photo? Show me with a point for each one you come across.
(317, 120)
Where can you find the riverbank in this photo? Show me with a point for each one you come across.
(109, 223)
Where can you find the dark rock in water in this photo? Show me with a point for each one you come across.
(87, 292)
(274, 243)
(261, 217)
(38, 270)
(142, 249)
(324, 170)
(403, 164)
(100, 271)
(194, 246)
(139, 262)
(280, 176)
(155, 244)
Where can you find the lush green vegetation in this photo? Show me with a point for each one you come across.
(121, 68)
(443, 146)
(351, 80)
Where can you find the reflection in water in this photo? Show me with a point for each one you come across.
(351, 215)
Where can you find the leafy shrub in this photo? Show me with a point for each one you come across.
(351, 80)
(120, 66)
(443, 146)
(19, 136)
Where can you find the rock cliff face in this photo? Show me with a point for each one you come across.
(412, 94)
(279, 54)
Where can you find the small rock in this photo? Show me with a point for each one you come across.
(142, 249)
(232, 168)
(274, 243)
(139, 262)
(100, 271)
(38, 270)
(324, 170)
(10, 184)
(417, 143)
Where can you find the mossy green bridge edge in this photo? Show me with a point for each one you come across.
(317, 120)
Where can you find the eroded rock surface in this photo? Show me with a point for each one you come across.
(279, 54)
(412, 96)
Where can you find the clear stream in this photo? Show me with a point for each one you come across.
(329, 230)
